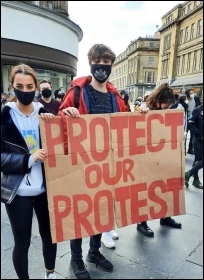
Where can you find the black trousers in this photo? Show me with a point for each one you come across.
(198, 161)
(76, 246)
(20, 213)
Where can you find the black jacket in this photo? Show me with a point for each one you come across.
(196, 123)
(14, 156)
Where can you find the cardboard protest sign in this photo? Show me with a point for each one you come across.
(121, 167)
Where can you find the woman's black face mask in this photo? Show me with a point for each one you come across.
(24, 97)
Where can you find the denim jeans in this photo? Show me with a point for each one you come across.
(76, 246)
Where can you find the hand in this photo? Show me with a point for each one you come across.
(46, 117)
(39, 155)
(71, 111)
(143, 110)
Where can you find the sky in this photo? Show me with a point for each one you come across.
(115, 24)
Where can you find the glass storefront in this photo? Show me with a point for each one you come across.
(56, 78)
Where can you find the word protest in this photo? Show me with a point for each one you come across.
(120, 168)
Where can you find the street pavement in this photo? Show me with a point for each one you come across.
(171, 254)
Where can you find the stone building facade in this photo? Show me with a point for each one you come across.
(135, 70)
(181, 48)
(173, 55)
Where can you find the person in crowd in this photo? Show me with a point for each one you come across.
(137, 105)
(123, 93)
(126, 100)
(4, 97)
(175, 105)
(161, 98)
(193, 102)
(51, 105)
(183, 104)
(59, 94)
(97, 96)
(23, 187)
(196, 127)
(146, 95)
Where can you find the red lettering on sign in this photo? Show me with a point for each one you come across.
(98, 175)
(60, 215)
(137, 203)
(109, 210)
(175, 185)
(122, 195)
(136, 133)
(76, 146)
(152, 196)
(99, 155)
(123, 123)
(53, 141)
(81, 218)
(160, 145)
(128, 165)
(174, 120)
(108, 176)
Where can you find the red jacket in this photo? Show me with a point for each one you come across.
(68, 100)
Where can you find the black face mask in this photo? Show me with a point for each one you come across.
(46, 93)
(24, 97)
(101, 72)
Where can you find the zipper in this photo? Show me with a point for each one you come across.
(16, 146)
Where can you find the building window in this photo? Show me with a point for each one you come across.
(183, 64)
(188, 63)
(201, 60)
(167, 42)
(189, 7)
(181, 37)
(178, 65)
(151, 44)
(195, 61)
(186, 34)
(165, 66)
(149, 77)
(199, 27)
(169, 19)
(183, 11)
(195, 4)
(192, 30)
(150, 61)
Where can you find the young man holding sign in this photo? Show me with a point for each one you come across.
(96, 96)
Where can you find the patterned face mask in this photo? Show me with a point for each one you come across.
(101, 72)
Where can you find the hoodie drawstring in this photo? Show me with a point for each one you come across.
(27, 181)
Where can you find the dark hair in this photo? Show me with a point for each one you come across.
(44, 81)
(182, 97)
(161, 94)
(126, 97)
(187, 92)
(100, 51)
(24, 69)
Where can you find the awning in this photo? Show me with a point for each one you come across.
(188, 81)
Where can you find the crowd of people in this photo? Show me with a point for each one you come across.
(22, 157)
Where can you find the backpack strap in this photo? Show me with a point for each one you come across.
(76, 96)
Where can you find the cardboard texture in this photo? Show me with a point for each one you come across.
(121, 168)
